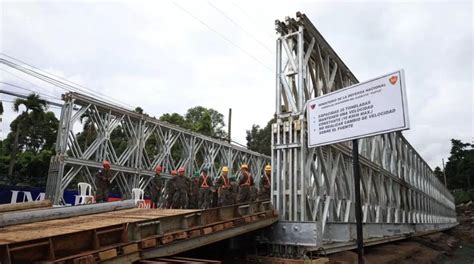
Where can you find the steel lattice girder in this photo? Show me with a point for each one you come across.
(145, 143)
(316, 185)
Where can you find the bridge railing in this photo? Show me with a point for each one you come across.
(134, 144)
(316, 185)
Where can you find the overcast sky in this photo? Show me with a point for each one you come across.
(168, 56)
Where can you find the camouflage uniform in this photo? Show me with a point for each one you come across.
(102, 182)
(194, 192)
(224, 191)
(234, 190)
(156, 185)
(246, 184)
(170, 189)
(180, 194)
(264, 187)
(205, 191)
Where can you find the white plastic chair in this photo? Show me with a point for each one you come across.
(85, 193)
(139, 197)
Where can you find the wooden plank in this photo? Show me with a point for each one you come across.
(194, 233)
(45, 229)
(218, 227)
(180, 235)
(149, 243)
(228, 225)
(167, 239)
(89, 259)
(25, 206)
(130, 248)
(207, 230)
(108, 254)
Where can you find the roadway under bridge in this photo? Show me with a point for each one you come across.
(312, 189)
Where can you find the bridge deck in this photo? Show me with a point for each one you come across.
(128, 235)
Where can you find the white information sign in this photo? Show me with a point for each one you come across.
(366, 109)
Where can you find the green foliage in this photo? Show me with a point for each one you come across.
(460, 166)
(439, 174)
(461, 196)
(205, 121)
(259, 139)
(36, 130)
(175, 119)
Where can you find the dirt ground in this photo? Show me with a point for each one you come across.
(454, 246)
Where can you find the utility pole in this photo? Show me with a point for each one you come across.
(230, 125)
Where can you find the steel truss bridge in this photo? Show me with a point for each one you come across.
(312, 189)
(149, 142)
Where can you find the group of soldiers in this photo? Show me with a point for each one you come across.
(197, 192)
(200, 191)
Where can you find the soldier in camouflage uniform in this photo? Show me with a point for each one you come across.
(170, 189)
(156, 185)
(102, 182)
(234, 189)
(205, 190)
(224, 188)
(180, 196)
(246, 184)
(265, 184)
(194, 191)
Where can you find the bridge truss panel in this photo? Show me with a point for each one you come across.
(316, 185)
(134, 144)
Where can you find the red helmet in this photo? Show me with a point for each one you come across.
(158, 169)
(173, 172)
(181, 170)
(106, 164)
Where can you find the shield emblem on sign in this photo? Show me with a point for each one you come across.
(312, 106)
(393, 79)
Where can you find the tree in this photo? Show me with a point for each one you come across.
(27, 149)
(259, 139)
(139, 110)
(206, 121)
(460, 166)
(37, 106)
(175, 119)
(439, 174)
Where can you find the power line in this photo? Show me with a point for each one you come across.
(12, 102)
(223, 37)
(241, 28)
(44, 89)
(74, 85)
(19, 87)
(26, 96)
(251, 18)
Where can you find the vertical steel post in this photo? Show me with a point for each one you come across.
(230, 125)
(358, 208)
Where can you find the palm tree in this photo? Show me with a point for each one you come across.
(34, 103)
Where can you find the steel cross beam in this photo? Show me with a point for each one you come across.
(314, 186)
(144, 142)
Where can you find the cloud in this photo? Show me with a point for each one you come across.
(156, 55)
